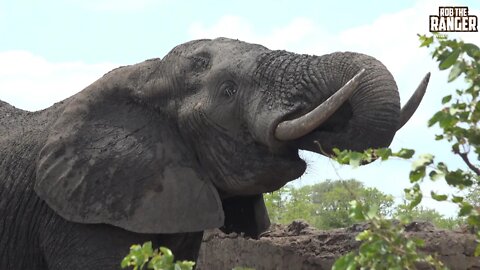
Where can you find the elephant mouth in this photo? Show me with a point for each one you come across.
(336, 124)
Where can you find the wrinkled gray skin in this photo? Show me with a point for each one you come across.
(167, 148)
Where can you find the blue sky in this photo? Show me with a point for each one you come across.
(129, 30)
(50, 50)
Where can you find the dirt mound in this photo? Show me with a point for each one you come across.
(299, 246)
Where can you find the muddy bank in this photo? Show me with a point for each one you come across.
(299, 246)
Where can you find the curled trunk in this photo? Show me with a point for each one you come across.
(371, 115)
(293, 85)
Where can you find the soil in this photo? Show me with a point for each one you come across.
(300, 246)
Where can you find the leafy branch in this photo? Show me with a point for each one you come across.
(142, 256)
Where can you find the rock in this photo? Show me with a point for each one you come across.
(300, 246)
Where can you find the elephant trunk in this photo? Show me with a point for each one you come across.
(294, 85)
(369, 118)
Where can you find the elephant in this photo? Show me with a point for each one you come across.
(164, 149)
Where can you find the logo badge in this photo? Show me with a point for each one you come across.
(453, 19)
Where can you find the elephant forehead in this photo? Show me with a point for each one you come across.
(234, 58)
(235, 48)
(237, 44)
(223, 48)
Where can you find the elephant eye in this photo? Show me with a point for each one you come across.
(229, 88)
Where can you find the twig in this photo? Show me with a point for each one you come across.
(469, 164)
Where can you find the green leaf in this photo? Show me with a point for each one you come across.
(446, 99)
(383, 153)
(345, 262)
(477, 251)
(342, 157)
(455, 178)
(167, 254)
(137, 256)
(450, 59)
(356, 211)
(435, 175)
(363, 235)
(448, 120)
(471, 49)
(442, 167)
(417, 199)
(414, 195)
(422, 161)
(404, 219)
(437, 117)
(188, 265)
(463, 116)
(465, 209)
(417, 174)
(474, 220)
(147, 248)
(438, 197)
(419, 242)
(405, 153)
(125, 262)
(355, 159)
(426, 41)
(419, 167)
(372, 212)
(476, 113)
(457, 199)
(454, 73)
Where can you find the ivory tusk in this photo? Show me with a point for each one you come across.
(411, 106)
(301, 126)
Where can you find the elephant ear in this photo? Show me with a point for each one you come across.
(109, 159)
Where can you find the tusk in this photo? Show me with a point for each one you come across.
(301, 126)
(411, 106)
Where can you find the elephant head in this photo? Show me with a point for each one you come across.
(158, 146)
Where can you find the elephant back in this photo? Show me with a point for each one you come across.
(17, 122)
(5, 108)
(10, 118)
